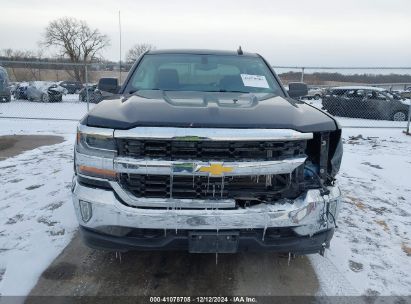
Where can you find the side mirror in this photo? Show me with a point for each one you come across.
(297, 89)
(109, 85)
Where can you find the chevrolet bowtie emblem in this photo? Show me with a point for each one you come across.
(215, 169)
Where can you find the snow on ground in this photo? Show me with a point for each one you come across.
(69, 108)
(370, 253)
(371, 248)
(37, 218)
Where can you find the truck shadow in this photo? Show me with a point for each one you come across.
(79, 270)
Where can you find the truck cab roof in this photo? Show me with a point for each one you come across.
(201, 52)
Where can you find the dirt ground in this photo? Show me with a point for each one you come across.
(82, 271)
(12, 145)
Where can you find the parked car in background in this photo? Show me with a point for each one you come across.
(72, 87)
(94, 94)
(365, 102)
(13, 87)
(20, 92)
(5, 94)
(406, 93)
(395, 95)
(45, 91)
(314, 93)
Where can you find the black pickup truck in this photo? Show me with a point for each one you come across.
(206, 151)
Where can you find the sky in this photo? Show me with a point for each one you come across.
(292, 32)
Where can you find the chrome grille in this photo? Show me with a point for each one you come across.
(210, 150)
(264, 188)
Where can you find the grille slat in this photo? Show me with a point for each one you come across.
(209, 150)
(184, 187)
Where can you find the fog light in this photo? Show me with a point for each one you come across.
(73, 183)
(297, 216)
(85, 210)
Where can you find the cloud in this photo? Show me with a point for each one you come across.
(317, 32)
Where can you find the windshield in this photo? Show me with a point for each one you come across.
(204, 73)
(3, 75)
(392, 95)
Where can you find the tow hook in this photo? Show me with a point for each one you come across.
(73, 184)
(291, 256)
(118, 256)
(322, 250)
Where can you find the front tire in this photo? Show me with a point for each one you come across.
(45, 98)
(316, 97)
(399, 116)
(58, 98)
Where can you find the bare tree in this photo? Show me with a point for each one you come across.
(137, 50)
(76, 41)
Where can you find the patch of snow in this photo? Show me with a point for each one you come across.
(332, 283)
(69, 108)
(37, 219)
(406, 101)
(369, 248)
(37, 127)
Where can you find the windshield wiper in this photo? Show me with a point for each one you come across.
(226, 91)
(135, 91)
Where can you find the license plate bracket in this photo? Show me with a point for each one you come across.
(213, 241)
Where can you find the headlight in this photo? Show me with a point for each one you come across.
(95, 151)
(102, 145)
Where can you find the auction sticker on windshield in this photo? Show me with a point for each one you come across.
(256, 81)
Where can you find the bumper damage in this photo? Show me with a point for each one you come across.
(304, 225)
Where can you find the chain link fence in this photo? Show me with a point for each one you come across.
(52, 90)
(357, 97)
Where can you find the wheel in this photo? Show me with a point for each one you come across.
(45, 97)
(316, 96)
(58, 98)
(399, 116)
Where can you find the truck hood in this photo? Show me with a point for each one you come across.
(216, 110)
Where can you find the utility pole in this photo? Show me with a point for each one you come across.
(119, 27)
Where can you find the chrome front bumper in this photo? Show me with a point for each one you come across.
(307, 215)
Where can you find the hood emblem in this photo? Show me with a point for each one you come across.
(214, 169)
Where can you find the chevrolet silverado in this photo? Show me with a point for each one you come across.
(206, 151)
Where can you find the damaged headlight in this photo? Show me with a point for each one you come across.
(336, 159)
